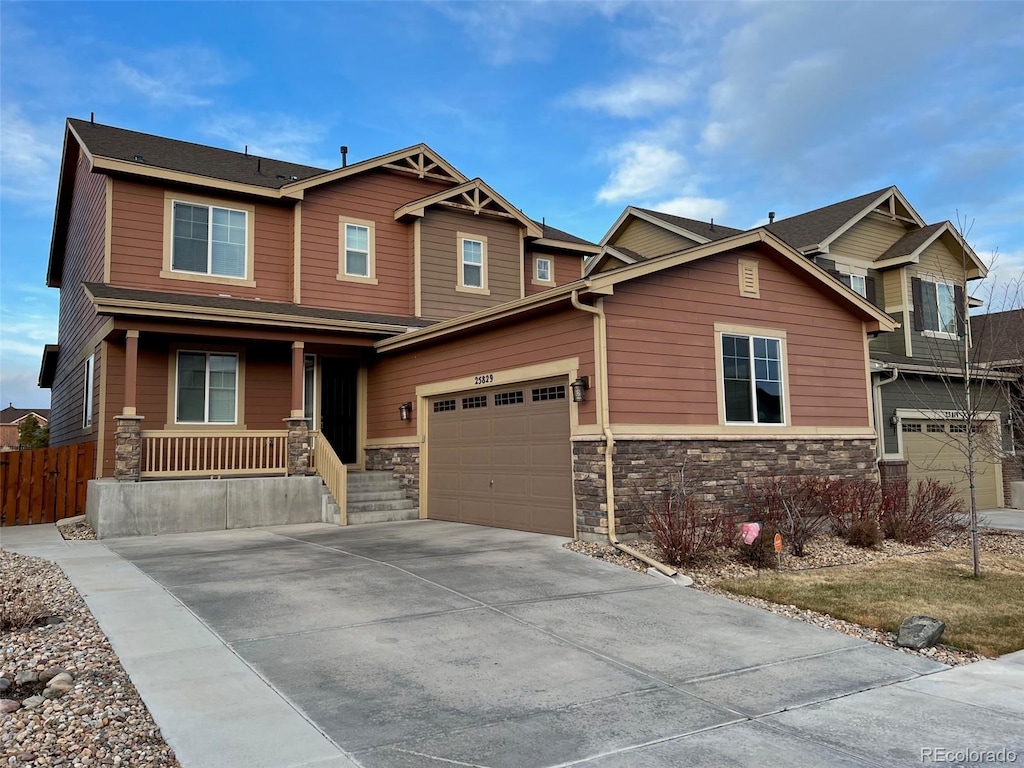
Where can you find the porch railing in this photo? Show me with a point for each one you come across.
(334, 474)
(173, 453)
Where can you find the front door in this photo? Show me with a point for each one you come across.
(339, 406)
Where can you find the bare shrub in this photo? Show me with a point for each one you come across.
(760, 553)
(684, 527)
(793, 506)
(931, 510)
(849, 502)
(864, 532)
(21, 604)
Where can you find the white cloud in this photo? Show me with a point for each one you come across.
(701, 208)
(282, 137)
(29, 155)
(642, 169)
(175, 77)
(637, 96)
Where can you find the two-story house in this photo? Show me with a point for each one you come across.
(215, 306)
(878, 246)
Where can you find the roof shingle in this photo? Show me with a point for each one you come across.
(807, 229)
(702, 228)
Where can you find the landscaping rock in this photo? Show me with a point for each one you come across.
(64, 678)
(9, 705)
(33, 702)
(919, 632)
(5, 685)
(26, 676)
(51, 672)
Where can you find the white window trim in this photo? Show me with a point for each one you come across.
(937, 281)
(460, 239)
(87, 395)
(169, 272)
(313, 420)
(371, 258)
(537, 279)
(206, 353)
(729, 329)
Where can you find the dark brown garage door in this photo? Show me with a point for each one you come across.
(502, 457)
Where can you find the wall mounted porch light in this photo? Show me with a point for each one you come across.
(405, 411)
(579, 389)
(894, 420)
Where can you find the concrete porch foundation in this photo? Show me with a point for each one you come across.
(186, 506)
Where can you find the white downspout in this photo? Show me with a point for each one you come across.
(879, 423)
(604, 411)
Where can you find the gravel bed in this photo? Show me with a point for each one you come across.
(78, 531)
(98, 719)
(821, 552)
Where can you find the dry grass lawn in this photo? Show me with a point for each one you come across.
(984, 615)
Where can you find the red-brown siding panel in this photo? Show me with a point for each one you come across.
(393, 378)
(661, 344)
(566, 267)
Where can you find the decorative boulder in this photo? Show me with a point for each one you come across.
(9, 705)
(919, 632)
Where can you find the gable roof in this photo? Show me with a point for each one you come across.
(12, 415)
(604, 284)
(813, 231)
(908, 249)
(558, 238)
(475, 197)
(692, 229)
(148, 151)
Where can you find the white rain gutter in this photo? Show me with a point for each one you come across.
(879, 424)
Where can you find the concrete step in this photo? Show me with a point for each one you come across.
(383, 516)
(357, 477)
(380, 506)
(391, 494)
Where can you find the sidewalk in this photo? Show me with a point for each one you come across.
(212, 708)
(1002, 519)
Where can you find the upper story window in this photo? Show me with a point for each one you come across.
(472, 263)
(542, 271)
(357, 257)
(857, 282)
(209, 240)
(935, 307)
(752, 381)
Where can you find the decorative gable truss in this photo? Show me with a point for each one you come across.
(474, 197)
(890, 205)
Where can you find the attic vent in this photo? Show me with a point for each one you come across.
(138, 158)
(749, 286)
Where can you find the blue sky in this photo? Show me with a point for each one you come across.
(571, 110)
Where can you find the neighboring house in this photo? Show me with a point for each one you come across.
(11, 419)
(879, 247)
(420, 323)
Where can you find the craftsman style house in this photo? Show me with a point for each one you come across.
(879, 247)
(220, 312)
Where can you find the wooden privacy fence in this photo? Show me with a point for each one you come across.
(45, 485)
(176, 453)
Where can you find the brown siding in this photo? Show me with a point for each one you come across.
(79, 323)
(372, 196)
(661, 345)
(868, 239)
(137, 242)
(393, 378)
(566, 268)
(649, 240)
(440, 260)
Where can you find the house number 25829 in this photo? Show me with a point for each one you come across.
(487, 378)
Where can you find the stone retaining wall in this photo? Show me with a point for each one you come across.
(403, 461)
(719, 469)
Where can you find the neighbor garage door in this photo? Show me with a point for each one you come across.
(502, 457)
(933, 450)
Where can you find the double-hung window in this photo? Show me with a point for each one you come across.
(209, 240)
(935, 305)
(357, 250)
(857, 282)
(207, 388)
(752, 379)
(543, 271)
(472, 264)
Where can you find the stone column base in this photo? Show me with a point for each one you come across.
(128, 448)
(298, 446)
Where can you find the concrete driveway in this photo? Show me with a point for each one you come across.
(438, 644)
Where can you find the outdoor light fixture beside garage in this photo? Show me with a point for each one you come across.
(579, 389)
(405, 411)
(894, 420)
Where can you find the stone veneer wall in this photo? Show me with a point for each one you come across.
(718, 468)
(404, 462)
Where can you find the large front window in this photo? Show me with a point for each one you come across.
(207, 388)
(752, 379)
(938, 307)
(209, 240)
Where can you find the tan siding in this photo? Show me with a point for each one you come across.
(892, 293)
(78, 324)
(661, 345)
(137, 242)
(393, 378)
(868, 239)
(649, 240)
(372, 196)
(566, 268)
(938, 261)
(440, 262)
